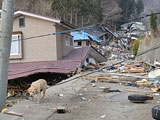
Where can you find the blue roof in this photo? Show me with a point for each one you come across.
(83, 36)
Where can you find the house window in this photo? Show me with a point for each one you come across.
(68, 40)
(21, 21)
(79, 43)
(16, 46)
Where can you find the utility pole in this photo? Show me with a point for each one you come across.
(5, 45)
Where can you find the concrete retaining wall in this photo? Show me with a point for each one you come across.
(146, 44)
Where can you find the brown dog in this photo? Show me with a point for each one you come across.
(36, 88)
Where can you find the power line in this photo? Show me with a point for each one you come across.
(141, 17)
(149, 15)
(56, 33)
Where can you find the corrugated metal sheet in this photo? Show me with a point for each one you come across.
(83, 36)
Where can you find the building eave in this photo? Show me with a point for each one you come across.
(17, 13)
(67, 25)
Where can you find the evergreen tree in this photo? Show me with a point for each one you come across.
(128, 7)
(153, 21)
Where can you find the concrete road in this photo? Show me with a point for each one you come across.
(85, 102)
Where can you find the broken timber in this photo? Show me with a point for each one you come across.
(100, 69)
(122, 74)
(13, 113)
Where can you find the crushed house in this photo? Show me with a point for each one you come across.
(133, 30)
(45, 53)
(95, 35)
(82, 39)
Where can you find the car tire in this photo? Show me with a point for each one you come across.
(156, 112)
(137, 98)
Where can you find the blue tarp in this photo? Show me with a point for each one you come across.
(83, 36)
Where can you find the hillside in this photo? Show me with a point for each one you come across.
(151, 5)
(110, 10)
(42, 7)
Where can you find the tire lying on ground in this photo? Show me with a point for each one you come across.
(156, 112)
(136, 98)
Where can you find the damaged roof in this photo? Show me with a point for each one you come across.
(66, 65)
(18, 70)
(83, 36)
(95, 31)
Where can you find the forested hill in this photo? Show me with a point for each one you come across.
(83, 12)
(78, 12)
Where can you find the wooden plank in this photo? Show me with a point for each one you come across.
(133, 71)
(139, 68)
(112, 77)
(95, 65)
(139, 91)
(146, 84)
(13, 113)
(107, 78)
(117, 74)
(130, 66)
(89, 67)
(154, 89)
(118, 77)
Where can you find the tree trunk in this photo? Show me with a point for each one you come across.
(82, 21)
(71, 16)
(76, 18)
(89, 19)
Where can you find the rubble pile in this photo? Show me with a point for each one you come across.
(117, 45)
(136, 74)
(16, 89)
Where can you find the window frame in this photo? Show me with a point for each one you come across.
(68, 39)
(22, 18)
(17, 56)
